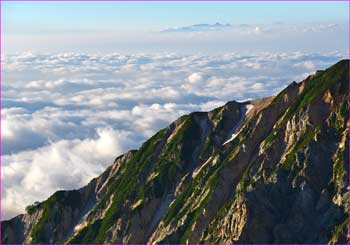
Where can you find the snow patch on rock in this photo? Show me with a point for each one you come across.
(234, 131)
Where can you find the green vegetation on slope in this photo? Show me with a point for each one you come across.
(52, 213)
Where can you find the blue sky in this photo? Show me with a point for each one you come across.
(66, 15)
(74, 26)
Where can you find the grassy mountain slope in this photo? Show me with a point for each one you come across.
(273, 170)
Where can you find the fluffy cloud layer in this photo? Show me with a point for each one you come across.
(65, 117)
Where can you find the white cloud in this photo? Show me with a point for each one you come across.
(195, 77)
(65, 164)
(306, 64)
(66, 116)
(257, 86)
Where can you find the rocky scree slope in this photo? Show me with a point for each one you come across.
(272, 170)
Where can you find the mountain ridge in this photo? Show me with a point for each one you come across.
(271, 170)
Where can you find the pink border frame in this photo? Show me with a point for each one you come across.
(197, 1)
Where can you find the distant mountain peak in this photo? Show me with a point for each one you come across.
(199, 27)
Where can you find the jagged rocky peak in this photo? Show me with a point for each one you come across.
(272, 170)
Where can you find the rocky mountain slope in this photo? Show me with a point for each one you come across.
(273, 170)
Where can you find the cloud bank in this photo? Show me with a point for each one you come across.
(66, 116)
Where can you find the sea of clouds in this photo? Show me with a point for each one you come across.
(65, 117)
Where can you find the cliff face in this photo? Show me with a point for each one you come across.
(274, 170)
